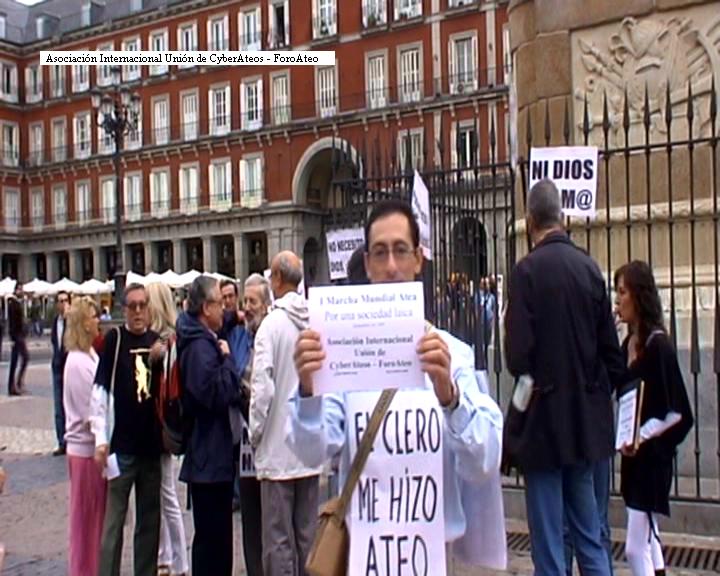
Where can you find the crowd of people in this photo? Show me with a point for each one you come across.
(247, 359)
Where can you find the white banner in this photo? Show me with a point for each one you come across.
(369, 334)
(421, 209)
(340, 246)
(187, 58)
(573, 169)
(397, 517)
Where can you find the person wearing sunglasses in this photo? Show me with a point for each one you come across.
(59, 356)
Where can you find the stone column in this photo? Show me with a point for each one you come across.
(273, 244)
(99, 272)
(26, 270)
(179, 260)
(51, 267)
(208, 253)
(74, 265)
(149, 264)
(241, 256)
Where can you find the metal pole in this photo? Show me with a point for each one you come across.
(118, 139)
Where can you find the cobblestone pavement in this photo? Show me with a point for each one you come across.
(33, 510)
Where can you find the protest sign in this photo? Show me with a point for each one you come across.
(396, 518)
(421, 210)
(247, 454)
(573, 169)
(369, 334)
(340, 246)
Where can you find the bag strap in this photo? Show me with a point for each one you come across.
(115, 361)
(365, 447)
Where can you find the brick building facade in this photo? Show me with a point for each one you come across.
(230, 164)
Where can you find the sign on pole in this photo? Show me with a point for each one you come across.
(340, 246)
(397, 518)
(421, 209)
(573, 169)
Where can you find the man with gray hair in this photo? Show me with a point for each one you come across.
(560, 333)
(211, 395)
(289, 488)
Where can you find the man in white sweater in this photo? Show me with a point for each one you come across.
(289, 488)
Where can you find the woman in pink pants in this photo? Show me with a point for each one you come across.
(87, 485)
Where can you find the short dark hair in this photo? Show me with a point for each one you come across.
(199, 293)
(386, 208)
(132, 287)
(356, 273)
(227, 282)
(57, 296)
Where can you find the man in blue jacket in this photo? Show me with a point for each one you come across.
(211, 394)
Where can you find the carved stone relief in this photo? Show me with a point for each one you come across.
(675, 49)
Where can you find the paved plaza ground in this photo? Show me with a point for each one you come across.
(33, 510)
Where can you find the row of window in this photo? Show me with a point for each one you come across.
(187, 180)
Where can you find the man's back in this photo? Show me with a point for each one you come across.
(560, 331)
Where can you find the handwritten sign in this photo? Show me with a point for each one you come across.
(421, 210)
(369, 334)
(340, 246)
(573, 169)
(396, 519)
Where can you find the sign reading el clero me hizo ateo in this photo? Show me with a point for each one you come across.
(573, 169)
(370, 334)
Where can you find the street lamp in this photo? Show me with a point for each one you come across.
(117, 113)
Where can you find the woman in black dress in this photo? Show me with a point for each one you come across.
(665, 416)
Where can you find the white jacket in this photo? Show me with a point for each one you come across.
(274, 383)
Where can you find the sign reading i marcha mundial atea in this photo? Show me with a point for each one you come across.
(573, 169)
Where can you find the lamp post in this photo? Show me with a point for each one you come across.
(116, 113)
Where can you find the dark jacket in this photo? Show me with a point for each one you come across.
(210, 386)
(16, 319)
(560, 330)
(59, 354)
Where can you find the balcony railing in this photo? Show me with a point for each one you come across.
(374, 13)
(9, 93)
(277, 40)
(250, 42)
(325, 26)
(218, 44)
(413, 10)
(36, 96)
(10, 157)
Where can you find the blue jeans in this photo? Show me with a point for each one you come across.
(551, 496)
(601, 486)
(59, 407)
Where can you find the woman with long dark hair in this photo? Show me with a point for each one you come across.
(665, 415)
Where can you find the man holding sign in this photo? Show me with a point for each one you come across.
(449, 425)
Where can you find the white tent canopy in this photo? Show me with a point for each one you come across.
(64, 285)
(94, 287)
(37, 287)
(189, 277)
(134, 278)
(172, 279)
(7, 286)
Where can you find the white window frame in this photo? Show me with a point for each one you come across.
(458, 3)
(274, 39)
(104, 76)
(216, 202)
(107, 199)
(59, 192)
(9, 89)
(324, 18)
(374, 13)
(82, 146)
(376, 90)
(252, 119)
(252, 194)
(219, 126)
(408, 9)
(281, 106)
(85, 215)
(10, 150)
(81, 75)
(133, 71)
(59, 150)
(190, 126)
(37, 209)
(33, 83)
(189, 204)
(326, 109)
(416, 147)
(12, 217)
(162, 34)
(36, 154)
(409, 89)
(159, 202)
(134, 211)
(464, 126)
(249, 39)
(181, 29)
(461, 82)
(161, 128)
(218, 44)
(57, 81)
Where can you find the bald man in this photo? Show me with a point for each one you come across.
(289, 488)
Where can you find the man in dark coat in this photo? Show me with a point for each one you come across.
(560, 332)
(59, 354)
(16, 331)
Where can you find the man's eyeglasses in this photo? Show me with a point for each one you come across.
(399, 252)
(63, 300)
(136, 306)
